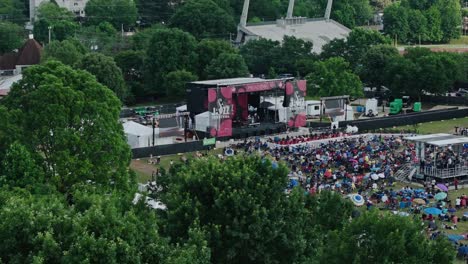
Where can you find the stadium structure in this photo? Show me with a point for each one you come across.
(319, 31)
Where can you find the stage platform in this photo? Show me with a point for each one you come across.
(251, 131)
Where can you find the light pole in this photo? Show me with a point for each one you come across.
(49, 27)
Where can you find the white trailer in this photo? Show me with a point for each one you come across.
(313, 108)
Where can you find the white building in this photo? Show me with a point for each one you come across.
(319, 31)
(75, 6)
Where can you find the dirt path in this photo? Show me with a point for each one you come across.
(142, 167)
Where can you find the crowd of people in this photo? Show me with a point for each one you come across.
(365, 166)
(305, 138)
(444, 157)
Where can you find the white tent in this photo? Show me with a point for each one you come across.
(138, 136)
(202, 121)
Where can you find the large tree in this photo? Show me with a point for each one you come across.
(291, 50)
(68, 51)
(72, 121)
(131, 64)
(14, 11)
(208, 50)
(60, 21)
(227, 65)
(97, 228)
(101, 38)
(385, 238)
(333, 77)
(11, 35)
(203, 18)
(260, 55)
(240, 205)
(374, 63)
(450, 12)
(170, 50)
(355, 46)
(117, 12)
(176, 83)
(106, 71)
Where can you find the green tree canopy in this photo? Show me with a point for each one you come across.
(116, 12)
(131, 63)
(170, 50)
(208, 50)
(429, 21)
(176, 81)
(12, 37)
(333, 77)
(291, 50)
(384, 238)
(106, 71)
(99, 38)
(71, 120)
(356, 45)
(14, 11)
(203, 18)
(98, 228)
(152, 12)
(240, 206)
(59, 19)
(374, 63)
(20, 168)
(227, 65)
(260, 55)
(68, 51)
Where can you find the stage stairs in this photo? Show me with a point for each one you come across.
(405, 173)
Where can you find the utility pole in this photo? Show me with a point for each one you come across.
(154, 127)
(49, 27)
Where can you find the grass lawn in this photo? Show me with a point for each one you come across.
(143, 169)
(445, 126)
(461, 41)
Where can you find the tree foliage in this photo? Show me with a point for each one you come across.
(68, 51)
(208, 50)
(241, 207)
(333, 77)
(12, 37)
(97, 229)
(116, 12)
(385, 238)
(356, 45)
(426, 21)
(176, 81)
(260, 55)
(203, 18)
(59, 19)
(227, 65)
(106, 71)
(83, 139)
(14, 11)
(374, 64)
(170, 50)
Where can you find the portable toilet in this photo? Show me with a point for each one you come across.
(371, 107)
(417, 107)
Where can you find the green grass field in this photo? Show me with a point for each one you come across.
(445, 126)
(461, 41)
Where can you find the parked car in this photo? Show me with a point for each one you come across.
(462, 92)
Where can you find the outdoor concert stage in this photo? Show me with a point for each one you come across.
(244, 107)
(251, 131)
